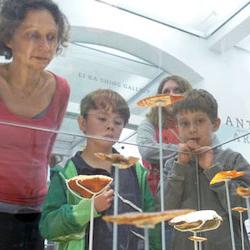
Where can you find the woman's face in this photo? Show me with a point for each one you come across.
(35, 41)
(171, 87)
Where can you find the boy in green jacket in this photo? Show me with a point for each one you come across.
(65, 217)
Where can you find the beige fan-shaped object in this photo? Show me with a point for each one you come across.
(197, 238)
(243, 191)
(145, 219)
(88, 185)
(163, 100)
(226, 175)
(239, 209)
(118, 160)
(198, 221)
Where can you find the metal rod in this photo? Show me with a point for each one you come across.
(200, 245)
(226, 142)
(146, 237)
(115, 226)
(130, 203)
(242, 232)
(197, 183)
(247, 198)
(91, 226)
(161, 176)
(230, 214)
(195, 242)
(82, 135)
(109, 139)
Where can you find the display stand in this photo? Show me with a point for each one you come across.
(160, 101)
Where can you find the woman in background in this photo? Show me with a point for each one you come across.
(148, 135)
(31, 33)
(148, 130)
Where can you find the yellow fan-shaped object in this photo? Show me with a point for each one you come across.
(226, 175)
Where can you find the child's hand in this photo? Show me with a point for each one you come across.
(185, 155)
(187, 150)
(104, 200)
(206, 156)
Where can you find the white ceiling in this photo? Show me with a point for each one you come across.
(197, 17)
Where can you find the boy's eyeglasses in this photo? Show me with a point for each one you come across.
(107, 119)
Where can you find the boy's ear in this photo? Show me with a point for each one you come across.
(216, 124)
(81, 123)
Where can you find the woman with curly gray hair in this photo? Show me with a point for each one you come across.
(31, 33)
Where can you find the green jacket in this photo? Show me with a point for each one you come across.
(65, 217)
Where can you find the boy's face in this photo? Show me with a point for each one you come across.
(196, 126)
(99, 122)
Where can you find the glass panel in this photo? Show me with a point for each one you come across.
(26, 140)
(197, 17)
(244, 44)
(90, 67)
(98, 68)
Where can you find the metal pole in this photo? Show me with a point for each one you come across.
(161, 176)
(242, 232)
(230, 214)
(248, 207)
(146, 237)
(197, 183)
(91, 226)
(195, 242)
(115, 226)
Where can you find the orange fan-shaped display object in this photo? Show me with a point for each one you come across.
(242, 191)
(159, 100)
(118, 160)
(226, 175)
(88, 185)
(145, 219)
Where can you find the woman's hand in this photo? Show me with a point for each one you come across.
(104, 200)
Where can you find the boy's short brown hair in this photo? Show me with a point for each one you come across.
(198, 100)
(107, 100)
